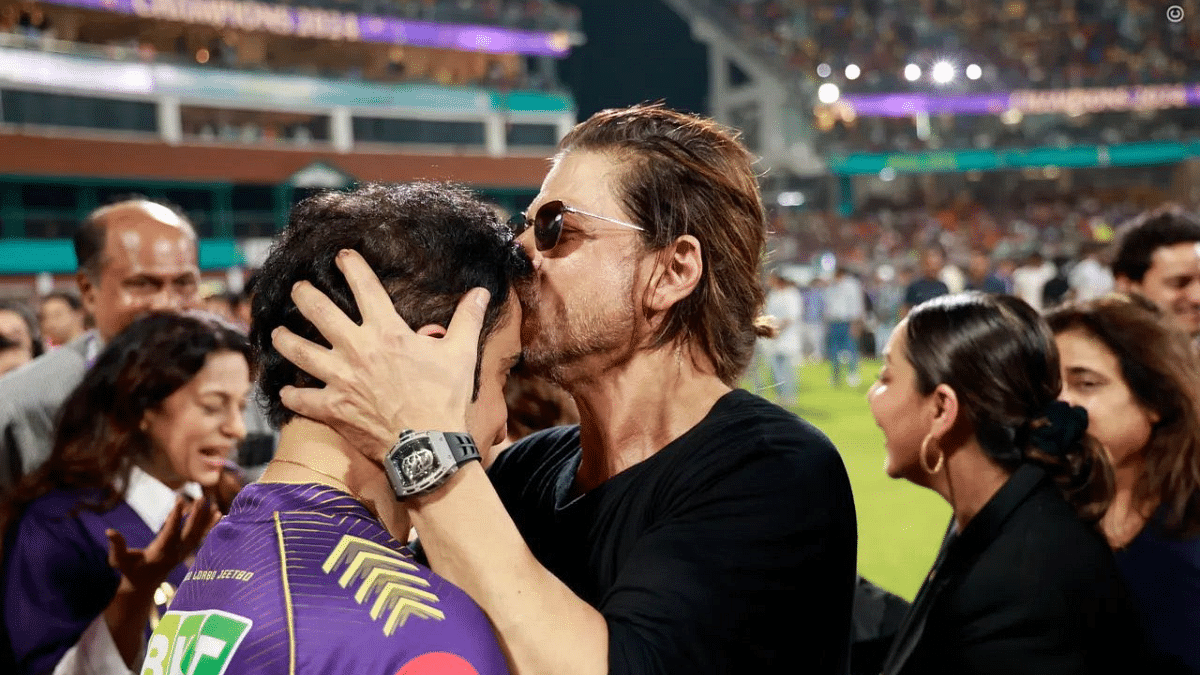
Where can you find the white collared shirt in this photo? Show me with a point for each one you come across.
(96, 653)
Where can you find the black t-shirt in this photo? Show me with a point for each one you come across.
(924, 289)
(731, 550)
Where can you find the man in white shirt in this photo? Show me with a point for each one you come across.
(844, 313)
(1029, 280)
(786, 306)
(1090, 278)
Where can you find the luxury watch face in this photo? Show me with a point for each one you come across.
(419, 463)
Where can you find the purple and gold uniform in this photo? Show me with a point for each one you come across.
(303, 579)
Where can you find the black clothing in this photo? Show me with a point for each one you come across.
(924, 289)
(731, 550)
(1027, 587)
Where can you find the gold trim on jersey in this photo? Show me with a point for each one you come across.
(287, 597)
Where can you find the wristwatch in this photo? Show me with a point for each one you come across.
(422, 461)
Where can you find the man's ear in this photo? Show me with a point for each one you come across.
(87, 291)
(677, 273)
(432, 330)
(1126, 285)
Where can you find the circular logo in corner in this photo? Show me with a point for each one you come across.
(438, 663)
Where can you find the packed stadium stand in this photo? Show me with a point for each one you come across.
(234, 110)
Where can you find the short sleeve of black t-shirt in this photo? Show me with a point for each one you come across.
(730, 550)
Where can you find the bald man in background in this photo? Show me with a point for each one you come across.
(133, 257)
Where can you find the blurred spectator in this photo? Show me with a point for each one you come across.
(134, 256)
(1057, 288)
(138, 435)
(223, 304)
(812, 299)
(888, 302)
(980, 276)
(1090, 278)
(62, 318)
(845, 312)
(1158, 256)
(20, 339)
(785, 306)
(929, 285)
(1029, 280)
(1140, 383)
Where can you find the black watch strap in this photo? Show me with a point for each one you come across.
(462, 447)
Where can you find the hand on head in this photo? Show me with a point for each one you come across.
(381, 377)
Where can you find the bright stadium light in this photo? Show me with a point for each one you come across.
(943, 72)
(912, 72)
(828, 93)
(974, 72)
(852, 72)
(824, 70)
(790, 198)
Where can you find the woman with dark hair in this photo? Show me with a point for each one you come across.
(1139, 379)
(967, 400)
(93, 534)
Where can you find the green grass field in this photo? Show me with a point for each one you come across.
(900, 525)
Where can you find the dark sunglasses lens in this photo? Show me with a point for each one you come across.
(547, 225)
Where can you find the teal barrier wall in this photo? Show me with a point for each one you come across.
(56, 256)
(1076, 157)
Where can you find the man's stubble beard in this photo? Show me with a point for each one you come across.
(555, 347)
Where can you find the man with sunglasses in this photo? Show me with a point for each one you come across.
(685, 526)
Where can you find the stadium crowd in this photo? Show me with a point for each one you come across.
(682, 517)
(1102, 43)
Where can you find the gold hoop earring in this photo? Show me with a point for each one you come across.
(925, 464)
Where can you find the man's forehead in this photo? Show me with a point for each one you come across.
(1176, 258)
(580, 179)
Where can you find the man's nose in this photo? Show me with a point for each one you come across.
(526, 240)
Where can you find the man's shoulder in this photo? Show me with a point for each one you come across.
(45, 381)
(745, 430)
(542, 448)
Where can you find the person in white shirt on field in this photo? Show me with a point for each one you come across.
(786, 306)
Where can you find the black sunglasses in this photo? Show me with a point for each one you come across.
(547, 223)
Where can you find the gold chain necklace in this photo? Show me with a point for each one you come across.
(331, 477)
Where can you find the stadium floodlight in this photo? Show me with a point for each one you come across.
(824, 70)
(828, 93)
(790, 198)
(912, 72)
(974, 72)
(943, 72)
(853, 71)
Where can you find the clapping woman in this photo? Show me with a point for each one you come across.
(1024, 582)
(1139, 380)
(91, 536)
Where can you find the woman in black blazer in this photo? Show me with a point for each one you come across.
(1024, 583)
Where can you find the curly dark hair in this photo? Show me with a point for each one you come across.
(429, 243)
(1001, 359)
(98, 437)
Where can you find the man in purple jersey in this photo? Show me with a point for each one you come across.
(308, 573)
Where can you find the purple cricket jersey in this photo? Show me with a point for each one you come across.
(56, 577)
(303, 579)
